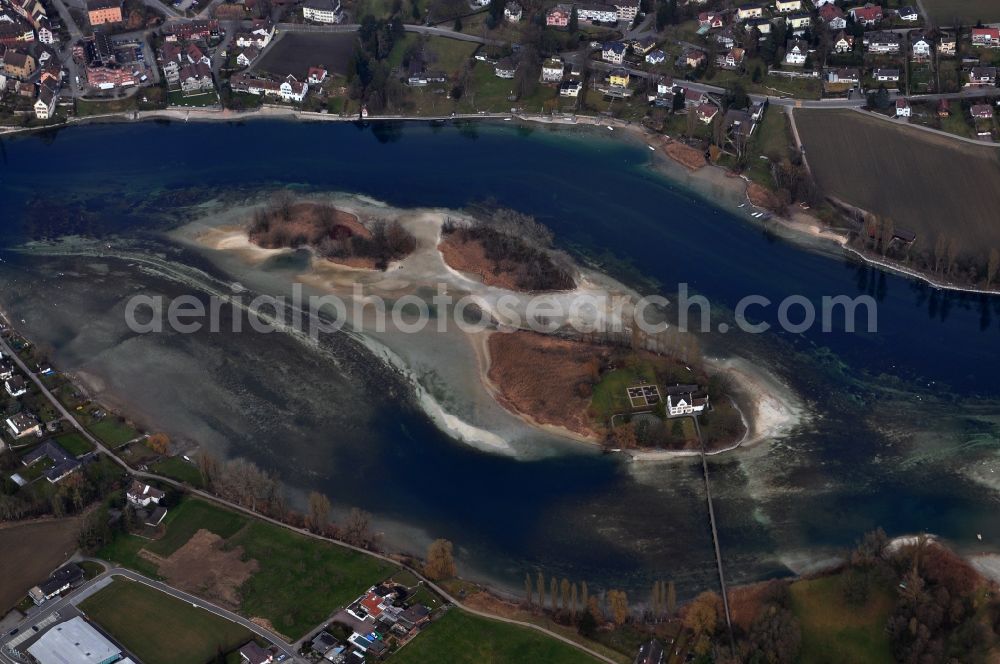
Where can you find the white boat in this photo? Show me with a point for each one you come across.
(610, 128)
(651, 148)
(742, 205)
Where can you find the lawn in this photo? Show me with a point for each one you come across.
(124, 550)
(34, 550)
(160, 629)
(448, 55)
(301, 580)
(191, 516)
(609, 395)
(177, 468)
(834, 631)
(772, 140)
(75, 443)
(177, 98)
(459, 638)
(112, 431)
(295, 52)
(100, 107)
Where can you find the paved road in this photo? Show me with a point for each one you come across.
(430, 31)
(244, 510)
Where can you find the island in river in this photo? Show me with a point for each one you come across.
(572, 379)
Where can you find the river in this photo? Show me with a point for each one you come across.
(900, 429)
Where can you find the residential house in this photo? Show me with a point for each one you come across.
(558, 16)
(415, 616)
(799, 22)
(983, 76)
(15, 33)
(108, 78)
(762, 25)
(882, 42)
(786, 6)
(908, 14)
(748, 11)
(6, 370)
(141, 494)
(627, 9)
(251, 653)
(833, 16)
(613, 52)
(15, 386)
(947, 45)
(981, 112)
(694, 98)
(619, 78)
(921, 47)
(260, 35)
(944, 108)
(843, 42)
(289, 89)
(711, 20)
(505, 68)
(23, 424)
(694, 57)
(734, 58)
(644, 45)
(903, 108)
(796, 53)
(62, 462)
(868, 15)
(597, 13)
(246, 57)
(512, 12)
(552, 70)
(18, 64)
(193, 31)
(886, 75)
(46, 36)
(988, 37)
(570, 88)
(58, 582)
(322, 11)
(102, 12)
(685, 400)
(726, 38)
(655, 57)
(316, 75)
(844, 75)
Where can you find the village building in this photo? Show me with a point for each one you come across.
(570, 88)
(886, 75)
(983, 76)
(58, 582)
(18, 64)
(15, 386)
(849, 75)
(512, 12)
(833, 16)
(981, 112)
(559, 16)
(506, 68)
(903, 108)
(102, 12)
(62, 463)
(597, 13)
(141, 494)
(613, 52)
(921, 48)
(316, 75)
(289, 89)
(626, 10)
(685, 400)
(761, 25)
(619, 78)
(694, 58)
(796, 53)
(656, 56)
(843, 43)
(251, 653)
(552, 70)
(947, 45)
(908, 14)
(322, 11)
(108, 78)
(23, 424)
(246, 57)
(868, 15)
(799, 22)
(882, 42)
(734, 58)
(707, 112)
(45, 35)
(748, 11)
(786, 6)
(711, 20)
(986, 37)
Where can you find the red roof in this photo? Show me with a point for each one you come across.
(994, 33)
(371, 604)
(867, 13)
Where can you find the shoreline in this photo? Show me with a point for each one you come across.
(800, 224)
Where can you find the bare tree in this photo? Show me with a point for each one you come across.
(992, 267)
(319, 511)
(356, 528)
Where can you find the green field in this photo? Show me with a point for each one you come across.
(191, 516)
(75, 443)
(609, 395)
(448, 55)
(160, 629)
(461, 638)
(112, 431)
(301, 580)
(833, 631)
(178, 98)
(965, 12)
(178, 469)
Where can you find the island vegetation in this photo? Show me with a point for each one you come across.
(507, 249)
(332, 233)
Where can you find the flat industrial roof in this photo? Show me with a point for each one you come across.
(73, 642)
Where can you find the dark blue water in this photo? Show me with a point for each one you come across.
(903, 419)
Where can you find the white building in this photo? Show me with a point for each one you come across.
(903, 109)
(552, 70)
(597, 12)
(797, 53)
(76, 642)
(45, 105)
(681, 400)
(322, 11)
(143, 495)
(512, 12)
(613, 52)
